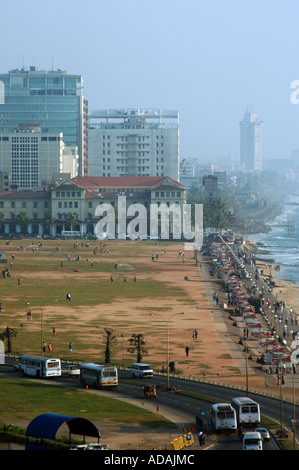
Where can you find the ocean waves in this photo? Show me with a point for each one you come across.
(281, 245)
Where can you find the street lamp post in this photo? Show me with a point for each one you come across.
(22, 326)
(166, 319)
(41, 331)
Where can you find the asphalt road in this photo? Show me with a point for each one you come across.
(182, 410)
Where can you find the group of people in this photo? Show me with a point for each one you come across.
(49, 347)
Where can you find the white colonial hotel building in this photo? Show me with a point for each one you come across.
(50, 211)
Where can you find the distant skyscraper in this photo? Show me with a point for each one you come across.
(52, 100)
(251, 140)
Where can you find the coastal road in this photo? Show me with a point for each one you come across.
(179, 408)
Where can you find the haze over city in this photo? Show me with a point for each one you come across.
(210, 60)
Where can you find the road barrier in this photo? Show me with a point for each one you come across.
(182, 441)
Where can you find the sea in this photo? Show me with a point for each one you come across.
(281, 246)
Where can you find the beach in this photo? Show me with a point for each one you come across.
(280, 246)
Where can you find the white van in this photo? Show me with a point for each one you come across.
(252, 441)
(68, 370)
(141, 370)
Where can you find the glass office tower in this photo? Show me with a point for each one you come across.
(52, 100)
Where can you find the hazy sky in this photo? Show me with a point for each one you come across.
(208, 59)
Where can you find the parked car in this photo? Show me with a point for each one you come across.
(70, 370)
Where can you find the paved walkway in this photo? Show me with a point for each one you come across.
(222, 323)
(269, 318)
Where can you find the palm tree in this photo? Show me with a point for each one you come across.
(110, 338)
(217, 215)
(72, 219)
(137, 345)
(49, 220)
(23, 220)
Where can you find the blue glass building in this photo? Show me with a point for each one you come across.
(51, 99)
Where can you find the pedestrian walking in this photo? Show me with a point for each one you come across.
(68, 297)
(201, 438)
(70, 347)
(187, 351)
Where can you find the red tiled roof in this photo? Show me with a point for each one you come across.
(123, 182)
(25, 194)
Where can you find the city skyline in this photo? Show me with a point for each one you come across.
(208, 60)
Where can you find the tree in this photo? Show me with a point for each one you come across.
(8, 333)
(72, 219)
(217, 215)
(110, 338)
(49, 221)
(137, 343)
(23, 220)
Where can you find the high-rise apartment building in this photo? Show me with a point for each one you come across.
(251, 140)
(30, 157)
(133, 142)
(52, 100)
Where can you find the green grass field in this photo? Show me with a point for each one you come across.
(41, 278)
(39, 282)
(24, 400)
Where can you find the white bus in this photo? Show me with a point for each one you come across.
(98, 376)
(39, 366)
(70, 234)
(223, 417)
(248, 411)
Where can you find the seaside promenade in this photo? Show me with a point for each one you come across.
(282, 322)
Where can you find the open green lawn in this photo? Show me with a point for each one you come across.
(39, 282)
(41, 278)
(24, 400)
